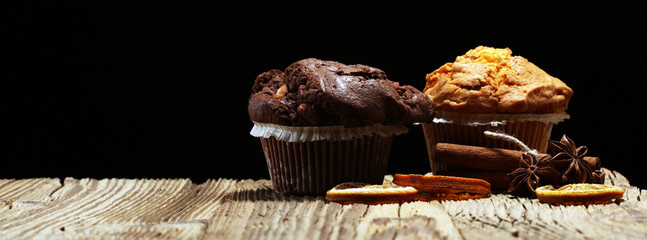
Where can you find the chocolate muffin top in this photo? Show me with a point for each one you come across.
(491, 80)
(313, 92)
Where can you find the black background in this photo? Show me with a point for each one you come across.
(160, 89)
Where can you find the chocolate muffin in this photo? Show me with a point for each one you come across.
(322, 123)
(313, 92)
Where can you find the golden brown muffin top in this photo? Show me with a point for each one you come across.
(491, 80)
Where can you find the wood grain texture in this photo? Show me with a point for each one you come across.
(247, 209)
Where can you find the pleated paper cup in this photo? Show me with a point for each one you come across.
(467, 129)
(312, 160)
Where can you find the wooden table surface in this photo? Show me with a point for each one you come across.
(247, 209)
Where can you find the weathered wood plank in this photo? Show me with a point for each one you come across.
(512, 217)
(117, 208)
(423, 219)
(37, 189)
(247, 209)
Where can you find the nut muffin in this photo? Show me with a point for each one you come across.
(322, 123)
(489, 89)
(491, 80)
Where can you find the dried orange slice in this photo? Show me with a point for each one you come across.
(443, 184)
(354, 192)
(580, 193)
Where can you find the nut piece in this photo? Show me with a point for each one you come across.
(281, 91)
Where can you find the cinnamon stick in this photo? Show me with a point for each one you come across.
(443, 184)
(499, 180)
(483, 158)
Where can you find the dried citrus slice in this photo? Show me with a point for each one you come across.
(580, 193)
(354, 192)
(443, 184)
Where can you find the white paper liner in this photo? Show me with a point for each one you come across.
(495, 119)
(334, 133)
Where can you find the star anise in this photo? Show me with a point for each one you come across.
(598, 177)
(569, 159)
(532, 173)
